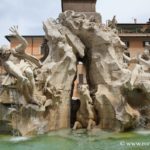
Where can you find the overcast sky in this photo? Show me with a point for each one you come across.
(29, 14)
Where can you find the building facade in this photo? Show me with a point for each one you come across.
(135, 36)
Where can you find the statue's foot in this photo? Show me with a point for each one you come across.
(91, 124)
(89, 127)
(77, 125)
(74, 128)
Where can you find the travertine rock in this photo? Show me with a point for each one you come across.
(106, 104)
(106, 70)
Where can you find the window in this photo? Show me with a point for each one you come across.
(81, 78)
(146, 43)
(127, 44)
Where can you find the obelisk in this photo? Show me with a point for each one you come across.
(86, 6)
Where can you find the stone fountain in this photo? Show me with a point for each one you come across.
(35, 96)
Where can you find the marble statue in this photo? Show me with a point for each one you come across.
(141, 71)
(86, 117)
(19, 67)
(82, 92)
(112, 23)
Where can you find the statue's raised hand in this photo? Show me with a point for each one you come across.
(14, 30)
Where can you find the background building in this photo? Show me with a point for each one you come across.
(135, 36)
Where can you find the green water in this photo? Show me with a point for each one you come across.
(79, 140)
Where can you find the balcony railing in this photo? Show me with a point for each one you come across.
(133, 28)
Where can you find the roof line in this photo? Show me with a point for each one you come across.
(133, 23)
(10, 36)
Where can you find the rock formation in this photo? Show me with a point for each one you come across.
(106, 104)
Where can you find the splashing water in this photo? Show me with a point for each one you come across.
(18, 139)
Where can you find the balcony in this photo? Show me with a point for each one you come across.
(134, 29)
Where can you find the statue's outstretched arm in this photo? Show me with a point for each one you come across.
(128, 59)
(21, 47)
(145, 62)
